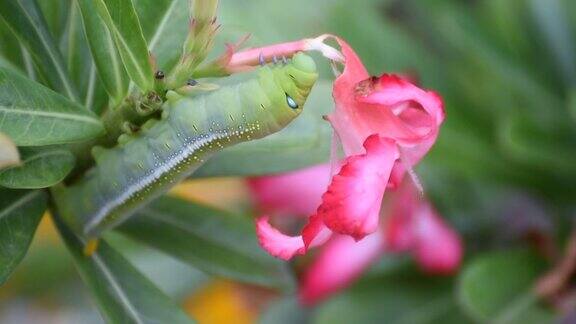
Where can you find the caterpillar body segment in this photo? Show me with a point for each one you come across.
(146, 164)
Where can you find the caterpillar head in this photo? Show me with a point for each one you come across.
(292, 83)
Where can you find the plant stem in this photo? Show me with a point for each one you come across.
(558, 277)
(133, 111)
(199, 42)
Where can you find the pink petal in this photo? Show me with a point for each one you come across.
(284, 246)
(392, 90)
(296, 193)
(438, 247)
(339, 262)
(276, 243)
(354, 72)
(315, 233)
(352, 202)
(343, 117)
(414, 226)
(397, 109)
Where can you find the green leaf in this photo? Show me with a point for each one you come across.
(527, 143)
(174, 277)
(214, 241)
(5, 64)
(10, 47)
(304, 142)
(26, 21)
(46, 267)
(122, 21)
(166, 29)
(497, 287)
(106, 57)
(153, 12)
(552, 20)
(9, 155)
(76, 51)
(20, 212)
(122, 293)
(285, 311)
(97, 99)
(403, 297)
(55, 13)
(39, 169)
(34, 115)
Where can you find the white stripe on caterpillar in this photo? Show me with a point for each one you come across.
(158, 172)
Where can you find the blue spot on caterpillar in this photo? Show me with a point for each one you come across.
(291, 102)
(147, 164)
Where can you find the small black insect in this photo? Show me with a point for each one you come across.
(159, 75)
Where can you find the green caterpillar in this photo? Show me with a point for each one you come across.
(165, 151)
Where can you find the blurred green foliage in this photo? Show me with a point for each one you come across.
(503, 167)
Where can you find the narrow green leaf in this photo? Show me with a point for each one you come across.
(106, 57)
(97, 98)
(39, 169)
(122, 21)
(33, 115)
(76, 51)
(497, 287)
(174, 277)
(55, 13)
(26, 21)
(214, 241)
(20, 212)
(9, 155)
(10, 46)
(304, 142)
(152, 12)
(30, 67)
(165, 30)
(123, 294)
(166, 41)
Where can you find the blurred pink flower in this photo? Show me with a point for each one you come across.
(340, 261)
(302, 189)
(411, 226)
(414, 226)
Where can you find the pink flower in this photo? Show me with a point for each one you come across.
(389, 106)
(386, 125)
(412, 226)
